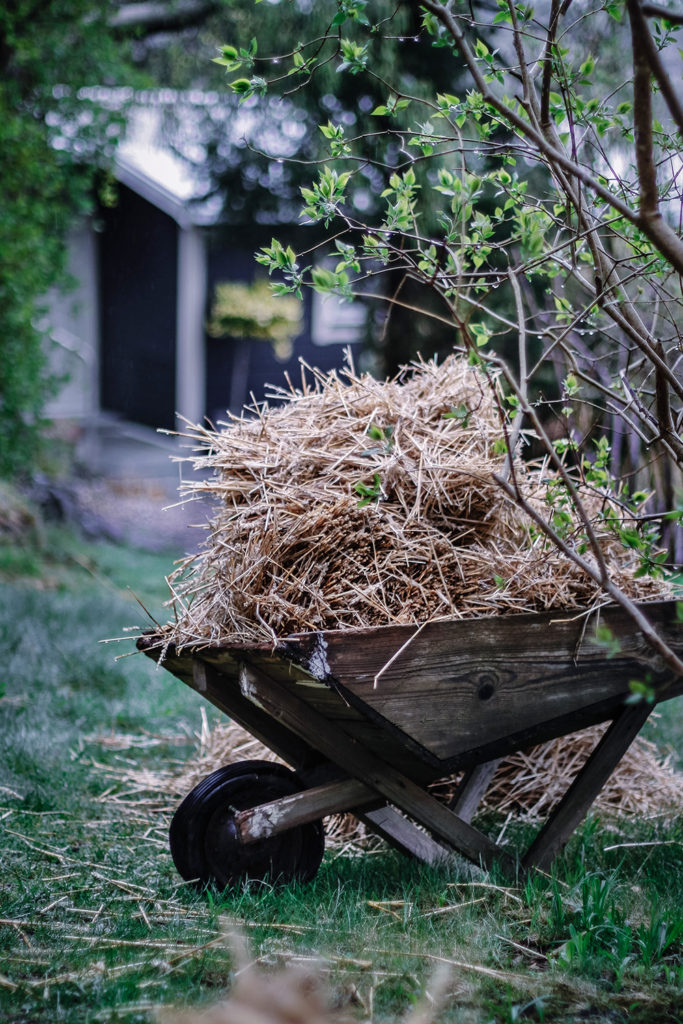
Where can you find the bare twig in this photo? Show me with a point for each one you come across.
(660, 234)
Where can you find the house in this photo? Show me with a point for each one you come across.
(132, 337)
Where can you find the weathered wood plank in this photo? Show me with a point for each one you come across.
(397, 788)
(300, 808)
(225, 694)
(465, 686)
(573, 807)
(460, 692)
(320, 695)
(472, 789)
(404, 835)
(326, 699)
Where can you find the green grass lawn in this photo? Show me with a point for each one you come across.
(95, 924)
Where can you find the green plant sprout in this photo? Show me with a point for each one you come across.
(369, 493)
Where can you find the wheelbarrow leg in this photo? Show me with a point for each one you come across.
(403, 835)
(574, 805)
(472, 789)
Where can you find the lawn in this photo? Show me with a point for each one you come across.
(95, 924)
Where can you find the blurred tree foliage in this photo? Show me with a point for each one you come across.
(48, 140)
(54, 144)
(245, 171)
(259, 153)
(252, 311)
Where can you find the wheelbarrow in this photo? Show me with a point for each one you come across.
(367, 719)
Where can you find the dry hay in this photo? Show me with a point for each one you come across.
(529, 783)
(294, 994)
(292, 548)
(298, 993)
(289, 996)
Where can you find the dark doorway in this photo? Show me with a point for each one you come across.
(138, 298)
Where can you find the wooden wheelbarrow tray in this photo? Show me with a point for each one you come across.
(367, 718)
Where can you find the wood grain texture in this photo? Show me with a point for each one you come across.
(298, 809)
(459, 692)
(328, 700)
(404, 835)
(486, 686)
(472, 789)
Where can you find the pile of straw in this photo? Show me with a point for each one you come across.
(530, 782)
(358, 502)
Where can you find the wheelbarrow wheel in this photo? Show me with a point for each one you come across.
(204, 842)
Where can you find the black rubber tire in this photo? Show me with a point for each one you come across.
(203, 839)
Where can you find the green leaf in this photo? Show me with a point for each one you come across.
(606, 638)
(324, 279)
(241, 86)
(368, 492)
(641, 692)
(355, 56)
(446, 100)
(480, 333)
(459, 412)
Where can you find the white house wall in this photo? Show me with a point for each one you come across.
(190, 354)
(74, 323)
